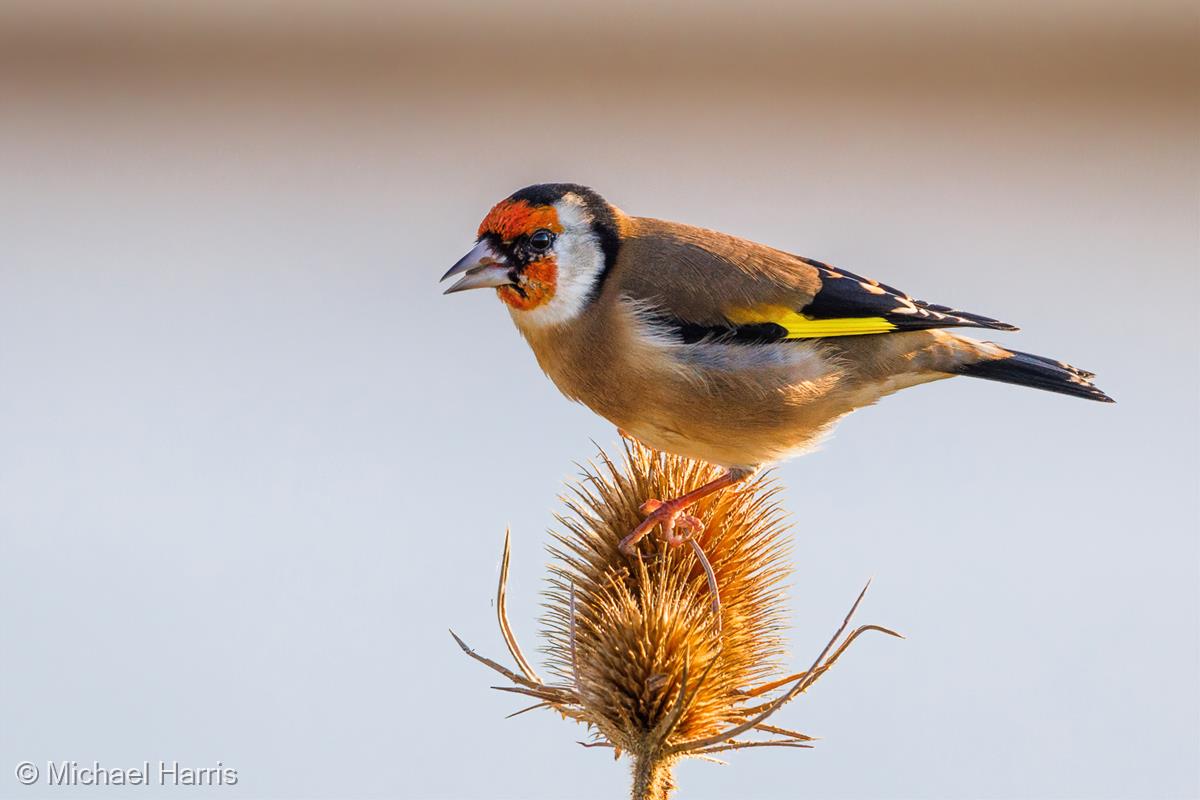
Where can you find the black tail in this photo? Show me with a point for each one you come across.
(1024, 369)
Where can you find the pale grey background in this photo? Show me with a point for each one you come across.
(253, 465)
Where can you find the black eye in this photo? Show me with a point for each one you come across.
(541, 240)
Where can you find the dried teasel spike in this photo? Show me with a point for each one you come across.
(546, 693)
(690, 697)
(810, 675)
(625, 638)
(712, 581)
(771, 686)
(502, 613)
(797, 735)
(829, 662)
(534, 707)
(574, 654)
(735, 745)
(512, 676)
(711, 760)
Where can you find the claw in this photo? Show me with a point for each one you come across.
(683, 527)
(668, 530)
(677, 527)
(675, 539)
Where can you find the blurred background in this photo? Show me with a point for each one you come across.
(250, 470)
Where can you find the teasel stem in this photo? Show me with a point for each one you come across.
(651, 777)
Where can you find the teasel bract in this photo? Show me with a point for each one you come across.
(674, 652)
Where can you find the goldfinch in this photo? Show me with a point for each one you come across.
(713, 347)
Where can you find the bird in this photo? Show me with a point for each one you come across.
(714, 347)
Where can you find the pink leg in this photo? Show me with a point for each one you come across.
(669, 513)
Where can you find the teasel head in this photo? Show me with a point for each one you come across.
(673, 652)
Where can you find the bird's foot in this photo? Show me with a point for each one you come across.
(677, 527)
(669, 513)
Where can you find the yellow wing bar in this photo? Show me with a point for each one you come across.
(801, 326)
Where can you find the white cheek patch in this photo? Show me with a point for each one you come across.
(580, 261)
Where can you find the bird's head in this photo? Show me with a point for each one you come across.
(545, 249)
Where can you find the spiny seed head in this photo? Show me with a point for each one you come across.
(652, 663)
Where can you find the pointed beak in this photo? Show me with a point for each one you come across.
(483, 266)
